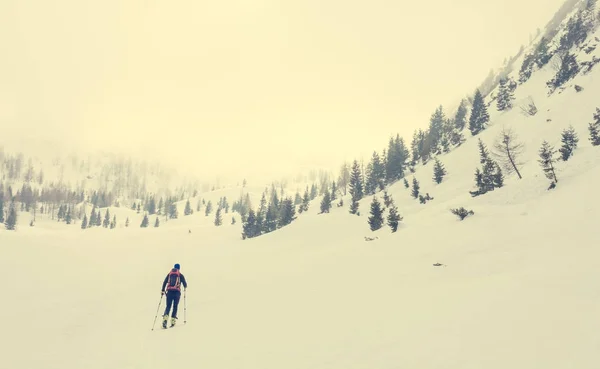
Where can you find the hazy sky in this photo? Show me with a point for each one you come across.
(226, 85)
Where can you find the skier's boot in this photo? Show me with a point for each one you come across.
(173, 320)
(165, 320)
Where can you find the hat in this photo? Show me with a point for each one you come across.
(177, 266)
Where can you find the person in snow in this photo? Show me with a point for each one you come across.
(172, 288)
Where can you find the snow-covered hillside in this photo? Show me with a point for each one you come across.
(512, 286)
(517, 288)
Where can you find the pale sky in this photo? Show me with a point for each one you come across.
(221, 86)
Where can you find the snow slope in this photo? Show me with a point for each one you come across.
(518, 287)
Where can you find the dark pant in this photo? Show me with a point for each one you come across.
(172, 298)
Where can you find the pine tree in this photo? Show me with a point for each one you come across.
(438, 171)
(11, 219)
(151, 206)
(271, 217)
(569, 141)
(498, 178)
(167, 207)
(416, 187)
(460, 118)
(479, 184)
(188, 208)
(160, 206)
(326, 203)
(232, 220)
(113, 224)
(395, 159)
(68, 217)
(489, 168)
(390, 162)
(245, 206)
(84, 223)
(145, 221)
(575, 34)
(423, 146)
(297, 199)
(402, 157)
(106, 222)
(378, 163)
(594, 129)
(542, 55)
(590, 4)
(218, 217)
(479, 115)
(261, 213)
(547, 161)
(490, 176)
(376, 218)
(356, 182)
(127, 222)
(288, 212)
(249, 228)
(305, 202)
(157, 223)
(505, 95)
(387, 199)
(1, 207)
(488, 171)
(314, 192)
(323, 184)
(366, 174)
(406, 185)
(371, 177)
(199, 205)
(356, 187)
(436, 124)
(173, 212)
(344, 177)
(414, 149)
(393, 218)
(61, 213)
(447, 135)
(354, 207)
(334, 190)
(99, 218)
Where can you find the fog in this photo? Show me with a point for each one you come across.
(233, 87)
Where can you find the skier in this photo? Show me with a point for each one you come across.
(172, 283)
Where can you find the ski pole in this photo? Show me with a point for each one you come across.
(157, 309)
(184, 307)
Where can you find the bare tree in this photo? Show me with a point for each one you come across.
(507, 150)
(556, 62)
(528, 107)
(344, 178)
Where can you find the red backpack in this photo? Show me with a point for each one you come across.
(173, 281)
